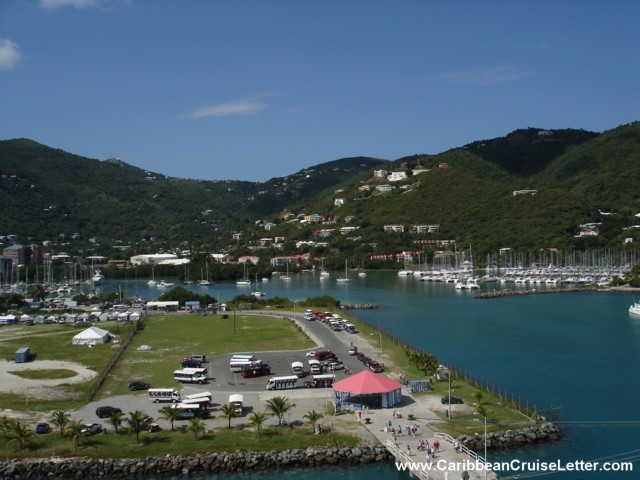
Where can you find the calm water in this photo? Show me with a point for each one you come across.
(580, 351)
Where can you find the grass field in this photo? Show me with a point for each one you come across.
(173, 337)
(170, 336)
(159, 443)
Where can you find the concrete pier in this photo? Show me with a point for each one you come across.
(448, 463)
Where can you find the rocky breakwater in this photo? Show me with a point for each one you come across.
(512, 438)
(178, 465)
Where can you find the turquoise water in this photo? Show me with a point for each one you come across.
(580, 351)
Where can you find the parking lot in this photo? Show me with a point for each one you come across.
(223, 382)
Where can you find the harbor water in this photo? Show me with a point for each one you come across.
(573, 355)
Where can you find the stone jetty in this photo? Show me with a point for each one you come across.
(178, 465)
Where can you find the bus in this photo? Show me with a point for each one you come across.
(163, 395)
(200, 371)
(243, 356)
(325, 380)
(201, 398)
(186, 376)
(255, 370)
(282, 383)
(239, 365)
(187, 411)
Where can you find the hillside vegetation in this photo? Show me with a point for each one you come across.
(579, 177)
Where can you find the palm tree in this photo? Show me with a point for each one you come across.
(138, 421)
(74, 430)
(169, 413)
(60, 419)
(279, 406)
(116, 420)
(197, 426)
(257, 419)
(19, 433)
(228, 412)
(37, 292)
(5, 425)
(313, 418)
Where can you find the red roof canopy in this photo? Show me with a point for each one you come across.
(367, 382)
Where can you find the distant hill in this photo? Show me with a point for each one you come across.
(578, 178)
(46, 192)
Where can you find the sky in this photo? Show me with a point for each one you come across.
(256, 89)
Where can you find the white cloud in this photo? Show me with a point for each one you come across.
(9, 54)
(52, 4)
(227, 109)
(487, 76)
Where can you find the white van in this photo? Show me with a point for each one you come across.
(236, 400)
(297, 368)
(315, 367)
(163, 395)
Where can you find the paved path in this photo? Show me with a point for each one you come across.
(405, 447)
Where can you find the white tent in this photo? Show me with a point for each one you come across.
(91, 336)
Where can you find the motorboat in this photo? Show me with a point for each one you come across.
(634, 309)
(98, 277)
(163, 284)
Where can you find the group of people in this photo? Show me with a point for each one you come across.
(408, 429)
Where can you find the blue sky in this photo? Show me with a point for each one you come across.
(255, 89)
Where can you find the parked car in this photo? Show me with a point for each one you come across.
(191, 363)
(375, 366)
(353, 350)
(136, 385)
(199, 358)
(91, 428)
(43, 428)
(153, 427)
(450, 399)
(311, 354)
(106, 411)
(336, 365)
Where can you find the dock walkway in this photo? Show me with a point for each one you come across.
(448, 464)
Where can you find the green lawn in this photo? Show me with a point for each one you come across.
(170, 336)
(173, 337)
(176, 442)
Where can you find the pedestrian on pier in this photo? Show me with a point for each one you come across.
(408, 449)
(436, 446)
(465, 475)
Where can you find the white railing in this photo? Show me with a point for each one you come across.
(416, 469)
(462, 448)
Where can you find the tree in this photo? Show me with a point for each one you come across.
(478, 396)
(37, 292)
(313, 418)
(74, 430)
(426, 362)
(197, 426)
(279, 406)
(169, 413)
(116, 420)
(60, 419)
(138, 421)
(5, 425)
(257, 419)
(19, 433)
(228, 412)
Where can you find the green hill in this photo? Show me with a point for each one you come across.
(578, 178)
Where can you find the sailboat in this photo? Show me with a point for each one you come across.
(286, 277)
(346, 275)
(152, 282)
(323, 273)
(205, 282)
(244, 281)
